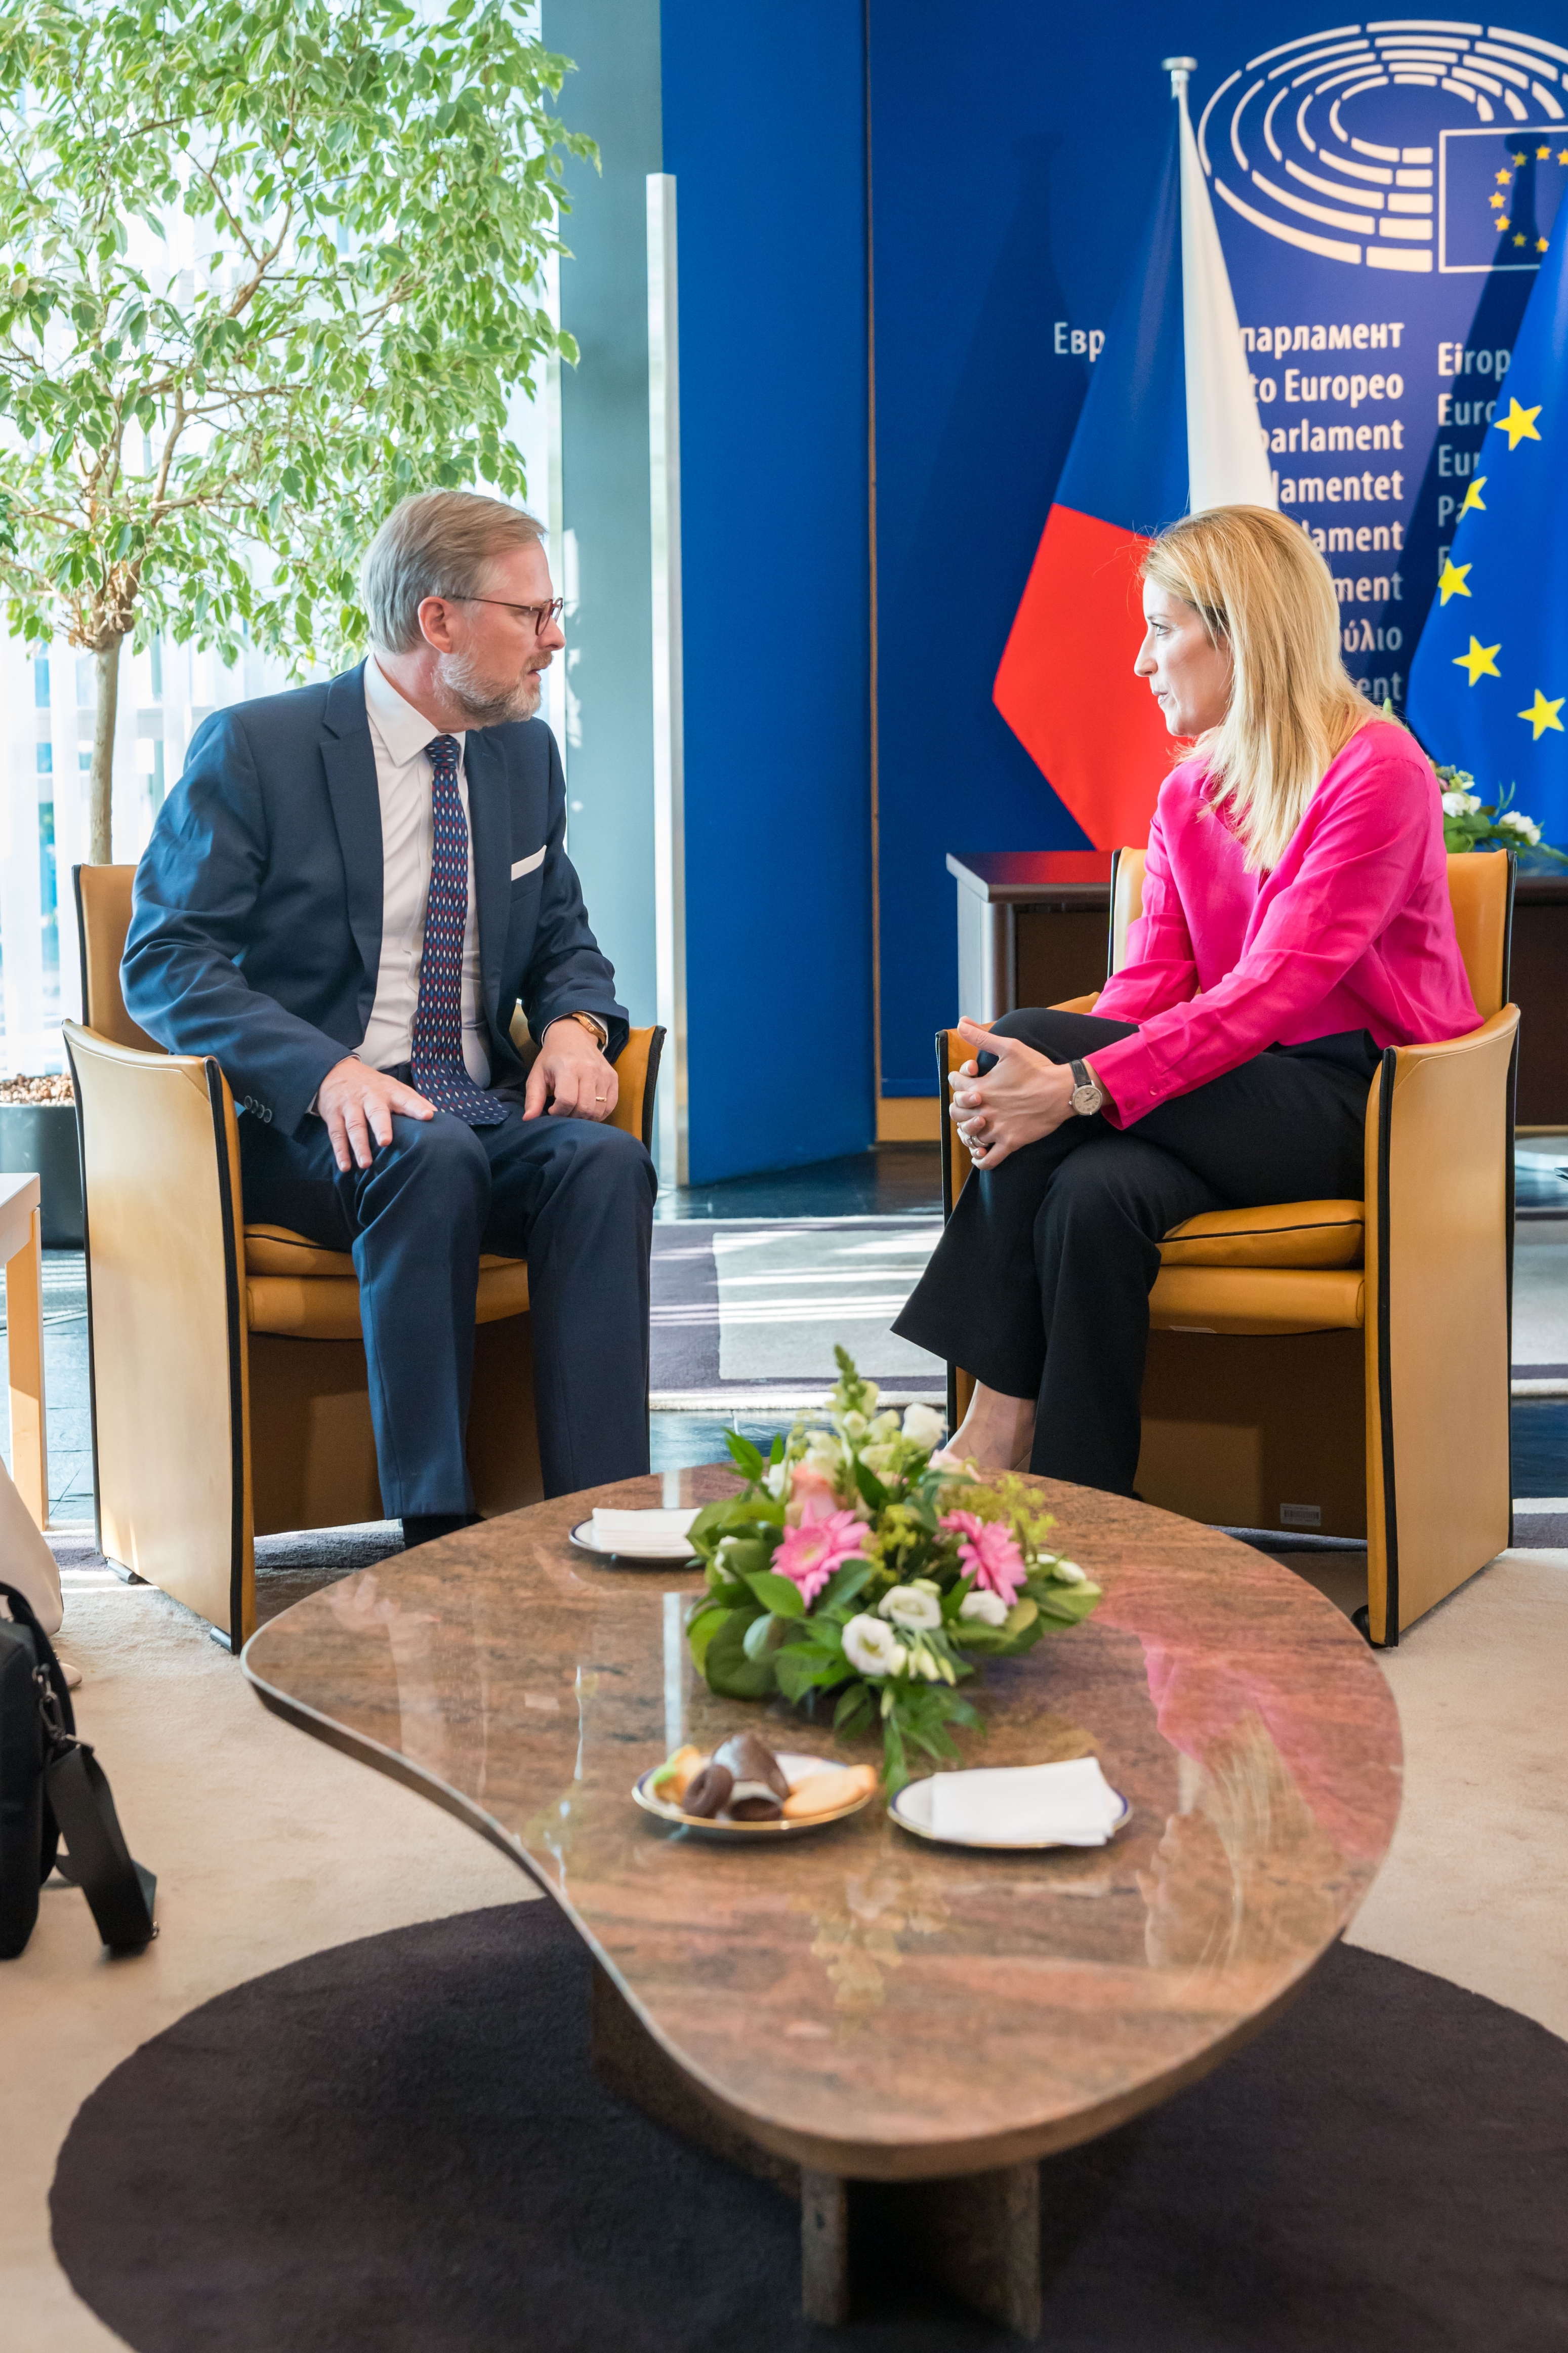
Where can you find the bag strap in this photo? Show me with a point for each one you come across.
(119, 1891)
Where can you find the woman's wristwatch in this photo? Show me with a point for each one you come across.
(1088, 1094)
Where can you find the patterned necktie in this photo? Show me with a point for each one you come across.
(439, 1072)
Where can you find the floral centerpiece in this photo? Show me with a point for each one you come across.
(1470, 823)
(848, 1565)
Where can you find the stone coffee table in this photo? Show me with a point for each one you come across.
(860, 2005)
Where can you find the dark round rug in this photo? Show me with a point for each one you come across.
(398, 2147)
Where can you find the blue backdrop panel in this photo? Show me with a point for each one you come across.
(764, 128)
(1014, 158)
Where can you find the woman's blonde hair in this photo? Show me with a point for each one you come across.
(1258, 583)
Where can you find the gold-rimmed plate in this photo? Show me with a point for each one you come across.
(624, 1556)
(794, 1766)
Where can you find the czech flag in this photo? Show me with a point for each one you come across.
(1169, 426)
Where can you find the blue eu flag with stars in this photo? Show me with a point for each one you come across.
(1488, 684)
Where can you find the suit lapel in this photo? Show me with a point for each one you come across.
(490, 821)
(349, 758)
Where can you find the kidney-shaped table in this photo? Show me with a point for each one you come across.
(859, 2004)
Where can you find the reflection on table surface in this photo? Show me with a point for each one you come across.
(860, 1981)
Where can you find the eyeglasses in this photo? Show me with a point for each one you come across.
(540, 616)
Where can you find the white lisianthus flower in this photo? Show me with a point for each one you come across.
(923, 1663)
(1067, 1572)
(775, 1477)
(879, 1459)
(1460, 803)
(907, 1607)
(923, 1425)
(989, 1607)
(1517, 822)
(872, 1647)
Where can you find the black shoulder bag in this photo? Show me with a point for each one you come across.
(52, 1787)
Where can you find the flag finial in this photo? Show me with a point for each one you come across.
(1179, 69)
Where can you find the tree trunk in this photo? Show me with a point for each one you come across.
(100, 797)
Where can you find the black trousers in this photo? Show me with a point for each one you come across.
(576, 1199)
(1040, 1284)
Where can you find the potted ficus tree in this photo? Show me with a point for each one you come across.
(265, 267)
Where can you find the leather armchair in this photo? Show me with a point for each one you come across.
(229, 1395)
(1343, 1367)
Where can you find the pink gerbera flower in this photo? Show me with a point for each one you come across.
(989, 1551)
(808, 1554)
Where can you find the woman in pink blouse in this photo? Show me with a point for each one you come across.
(1296, 921)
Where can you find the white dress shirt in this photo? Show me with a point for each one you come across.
(399, 734)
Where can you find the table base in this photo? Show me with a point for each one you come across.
(977, 2234)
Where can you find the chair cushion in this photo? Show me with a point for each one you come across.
(302, 1291)
(1296, 1234)
(1258, 1300)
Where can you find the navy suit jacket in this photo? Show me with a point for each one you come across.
(255, 926)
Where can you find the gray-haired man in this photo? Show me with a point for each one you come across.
(343, 901)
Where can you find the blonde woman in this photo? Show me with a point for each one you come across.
(1296, 921)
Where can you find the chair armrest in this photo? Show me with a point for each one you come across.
(1439, 1259)
(166, 1309)
(636, 1069)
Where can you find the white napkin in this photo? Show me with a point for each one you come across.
(1072, 1803)
(660, 1534)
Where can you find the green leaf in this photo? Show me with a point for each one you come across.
(853, 1710)
(728, 1669)
(871, 1486)
(744, 1453)
(700, 1632)
(779, 1594)
(844, 1585)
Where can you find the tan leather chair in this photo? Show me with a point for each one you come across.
(229, 1393)
(1341, 1367)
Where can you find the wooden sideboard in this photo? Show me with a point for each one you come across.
(1033, 929)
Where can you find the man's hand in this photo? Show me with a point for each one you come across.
(357, 1104)
(570, 1066)
(1025, 1097)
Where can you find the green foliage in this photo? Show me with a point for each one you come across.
(373, 196)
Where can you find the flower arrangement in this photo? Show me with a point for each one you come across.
(1469, 823)
(849, 1564)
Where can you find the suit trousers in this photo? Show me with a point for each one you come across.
(1039, 1286)
(574, 1197)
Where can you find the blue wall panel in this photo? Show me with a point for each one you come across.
(764, 130)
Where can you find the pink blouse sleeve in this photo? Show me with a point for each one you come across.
(1361, 843)
(1161, 967)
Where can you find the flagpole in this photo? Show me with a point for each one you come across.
(1181, 70)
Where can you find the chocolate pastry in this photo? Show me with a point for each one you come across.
(708, 1792)
(760, 1787)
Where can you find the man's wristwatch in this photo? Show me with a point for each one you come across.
(1088, 1094)
(596, 1028)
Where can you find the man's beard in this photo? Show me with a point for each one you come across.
(458, 677)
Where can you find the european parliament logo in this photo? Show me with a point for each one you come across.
(1498, 198)
(1381, 145)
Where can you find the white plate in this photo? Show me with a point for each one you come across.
(911, 1809)
(582, 1535)
(794, 1764)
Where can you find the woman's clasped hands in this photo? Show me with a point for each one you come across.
(1025, 1096)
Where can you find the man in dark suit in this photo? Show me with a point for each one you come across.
(344, 899)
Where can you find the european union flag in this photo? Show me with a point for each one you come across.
(1489, 685)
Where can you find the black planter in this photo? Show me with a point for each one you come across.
(42, 1137)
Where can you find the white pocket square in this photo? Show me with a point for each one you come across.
(528, 865)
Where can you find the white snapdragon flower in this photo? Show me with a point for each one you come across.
(1515, 822)
(989, 1607)
(1460, 803)
(855, 1425)
(884, 1426)
(879, 1459)
(923, 1425)
(873, 1648)
(776, 1479)
(911, 1607)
